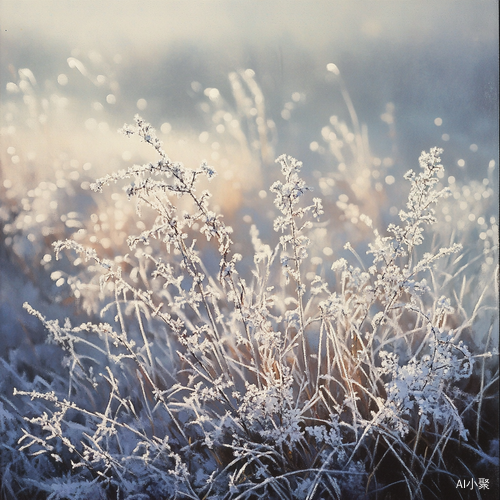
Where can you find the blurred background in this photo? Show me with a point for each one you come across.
(430, 59)
(356, 90)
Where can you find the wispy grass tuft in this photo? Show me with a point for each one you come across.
(294, 380)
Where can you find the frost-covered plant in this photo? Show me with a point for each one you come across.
(207, 381)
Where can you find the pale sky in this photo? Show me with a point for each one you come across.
(150, 24)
